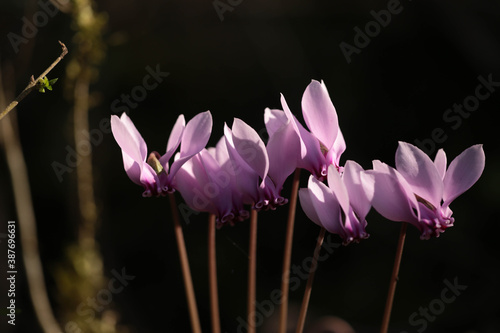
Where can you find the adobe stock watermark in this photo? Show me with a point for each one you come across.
(298, 275)
(420, 319)
(460, 111)
(95, 137)
(88, 308)
(221, 7)
(372, 29)
(31, 25)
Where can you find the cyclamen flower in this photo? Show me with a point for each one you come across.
(291, 146)
(153, 172)
(342, 206)
(420, 191)
(207, 183)
(251, 162)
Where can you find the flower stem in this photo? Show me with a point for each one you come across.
(307, 293)
(252, 265)
(186, 272)
(212, 275)
(22, 197)
(394, 279)
(285, 277)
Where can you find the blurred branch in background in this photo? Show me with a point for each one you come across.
(25, 216)
(84, 278)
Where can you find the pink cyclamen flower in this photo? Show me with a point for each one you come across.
(342, 206)
(251, 163)
(207, 183)
(420, 191)
(291, 146)
(153, 172)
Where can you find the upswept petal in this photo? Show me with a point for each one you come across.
(463, 172)
(305, 197)
(135, 134)
(221, 153)
(218, 189)
(247, 180)
(296, 126)
(388, 170)
(326, 206)
(319, 113)
(128, 138)
(311, 158)
(360, 193)
(274, 120)
(132, 168)
(336, 185)
(175, 136)
(339, 147)
(283, 154)
(194, 138)
(188, 182)
(250, 147)
(440, 162)
(420, 172)
(196, 134)
(390, 199)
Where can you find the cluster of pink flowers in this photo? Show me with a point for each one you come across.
(241, 170)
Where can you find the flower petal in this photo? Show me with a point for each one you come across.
(283, 151)
(319, 113)
(311, 158)
(326, 206)
(420, 172)
(194, 139)
(189, 182)
(175, 136)
(390, 199)
(196, 134)
(247, 179)
(338, 188)
(388, 170)
(305, 197)
(360, 194)
(463, 172)
(218, 189)
(250, 147)
(440, 162)
(132, 168)
(128, 138)
(274, 120)
(221, 153)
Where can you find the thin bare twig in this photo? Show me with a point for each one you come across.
(27, 223)
(33, 83)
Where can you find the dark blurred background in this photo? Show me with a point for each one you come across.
(399, 86)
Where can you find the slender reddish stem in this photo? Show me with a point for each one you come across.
(186, 272)
(307, 293)
(394, 279)
(212, 275)
(285, 277)
(252, 268)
